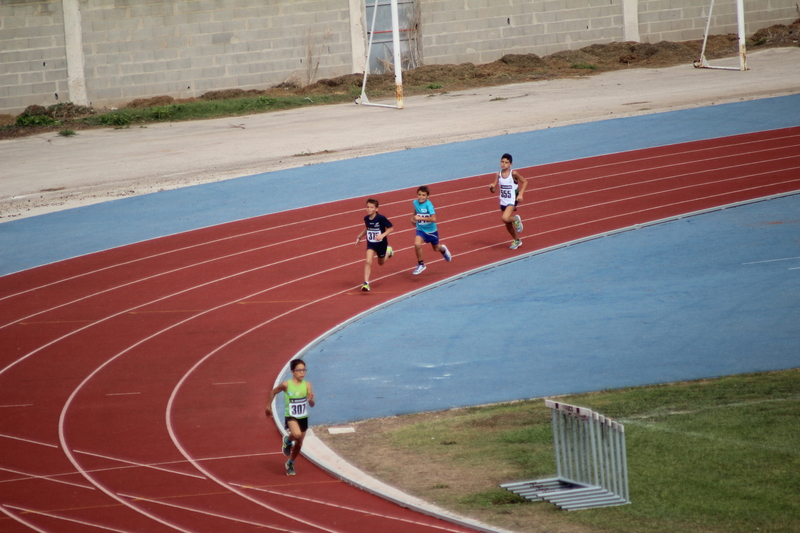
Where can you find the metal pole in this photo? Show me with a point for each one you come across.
(742, 47)
(398, 56)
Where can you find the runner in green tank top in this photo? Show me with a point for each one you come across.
(298, 396)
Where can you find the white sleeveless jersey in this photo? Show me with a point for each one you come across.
(508, 189)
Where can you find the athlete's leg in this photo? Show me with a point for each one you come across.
(368, 264)
(508, 219)
(419, 242)
(297, 435)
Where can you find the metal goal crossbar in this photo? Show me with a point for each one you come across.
(591, 462)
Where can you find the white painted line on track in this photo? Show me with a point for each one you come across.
(771, 261)
(29, 476)
(670, 155)
(149, 278)
(28, 440)
(73, 520)
(170, 403)
(123, 393)
(21, 520)
(207, 513)
(185, 248)
(347, 508)
(65, 409)
(126, 311)
(17, 405)
(141, 465)
(231, 383)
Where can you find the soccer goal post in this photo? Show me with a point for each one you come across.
(702, 63)
(397, 53)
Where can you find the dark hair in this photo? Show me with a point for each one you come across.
(373, 201)
(508, 156)
(424, 189)
(296, 362)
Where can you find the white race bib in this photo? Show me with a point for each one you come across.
(298, 407)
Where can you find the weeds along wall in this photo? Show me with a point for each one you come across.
(107, 52)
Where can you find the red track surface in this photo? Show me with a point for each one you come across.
(133, 381)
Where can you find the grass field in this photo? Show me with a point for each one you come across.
(718, 455)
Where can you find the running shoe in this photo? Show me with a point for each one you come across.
(419, 269)
(446, 253)
(516, 244)
(365, 287)
(389, 252)
(287, 447)
(289, 468)
(518, 223)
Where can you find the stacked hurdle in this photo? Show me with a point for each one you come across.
(591, 462)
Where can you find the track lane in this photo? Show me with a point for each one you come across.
(477, 239)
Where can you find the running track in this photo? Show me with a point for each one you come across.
(132, 381)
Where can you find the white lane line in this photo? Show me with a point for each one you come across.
(123, 393)
(659, 156)
(68, 403)
(675, 176)
(176, 250)
(771, 261)
(207, 513)
(231, 383)
(170, 403)
(29, 440)
(73, 520)
(164, 273)
(21, 520)
(29, 476)
(16, 405)
(141, 465)
(346, 508)
(183, 291)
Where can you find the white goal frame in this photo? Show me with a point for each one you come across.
(702, 63)
(398, 62)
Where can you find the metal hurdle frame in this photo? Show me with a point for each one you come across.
(591, 462)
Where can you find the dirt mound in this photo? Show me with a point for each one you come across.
(523, 60)
(156, 101)
(778, 35)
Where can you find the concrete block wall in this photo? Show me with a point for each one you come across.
(184, 48)
(33, 63)
(481, 31)
(683, 20)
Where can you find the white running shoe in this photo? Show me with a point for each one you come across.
(518, 223)
(446, 253)
(389, 252)
(419, 269)
(516, 244)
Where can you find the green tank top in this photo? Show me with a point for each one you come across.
(296, 399)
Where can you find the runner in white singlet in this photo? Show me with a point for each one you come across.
(512, 187)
